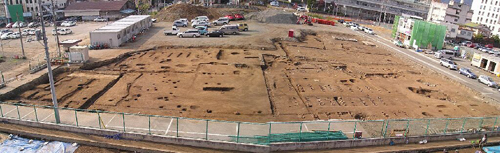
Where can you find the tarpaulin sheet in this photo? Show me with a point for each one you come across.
(22, 145)
(493, 149)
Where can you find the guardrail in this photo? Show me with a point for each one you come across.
(246, 132)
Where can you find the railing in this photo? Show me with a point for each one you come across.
(245, 132)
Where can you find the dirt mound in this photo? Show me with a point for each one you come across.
(188, 11)
(273, 16)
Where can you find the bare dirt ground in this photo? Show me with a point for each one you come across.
(324, 77)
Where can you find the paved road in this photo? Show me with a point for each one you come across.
(433, 63)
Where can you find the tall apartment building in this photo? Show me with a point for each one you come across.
(383, 10)
(487, 12)
(31, 6)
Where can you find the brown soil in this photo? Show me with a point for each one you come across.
(177, 11)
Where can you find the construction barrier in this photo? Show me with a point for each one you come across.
(246, 132)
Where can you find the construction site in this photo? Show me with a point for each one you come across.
(322, 73)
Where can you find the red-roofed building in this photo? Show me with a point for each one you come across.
(112, 10)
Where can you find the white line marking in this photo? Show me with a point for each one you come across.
(9, 111)
(170, 124)
(47, 117)
(28, 114)
(236, 128)
(145, 129)
(109, 120)
(305, 126)
(413, 57)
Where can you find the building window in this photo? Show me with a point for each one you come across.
(456, 19)
(452, 30)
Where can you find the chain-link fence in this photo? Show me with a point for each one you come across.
(245, 132)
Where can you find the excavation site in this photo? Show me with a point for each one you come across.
(319, 76)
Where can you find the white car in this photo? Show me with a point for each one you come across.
(301, 9)
(15, 35)
(487, 80)
(68, 24)
(189, 33)
(100, 19)
(200, 18)
(355, 28)
(5, 36)
(62, 31)
(275, 3)
(369, 31)
(15, 25)
(448, 63)
(221, 21)
(200, 23)
(184, 20)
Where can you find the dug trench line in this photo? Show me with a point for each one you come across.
(92, 99)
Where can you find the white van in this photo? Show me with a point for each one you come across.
(448, 54)
(200, 18)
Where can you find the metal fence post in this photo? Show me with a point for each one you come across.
(427, 128)
(300, 132)
(177, 129)
(386, 126)
(495, 124)
(238, 133)
(354, 132)
(99, 119)
(206, 131)
(36, 115)
(123, 119)
(446, 127)
(1, 110)
(76, 118)
(382, 128)
(18, 115)
(407, 128)
(329, 126)
(481, 123)
(149, 122)
(269, 135)
(463, 125)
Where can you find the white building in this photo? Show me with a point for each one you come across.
(30, 7)
(437, 11)
(487, 12)
(120, 31)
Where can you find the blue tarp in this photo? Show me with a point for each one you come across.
(22, 145)
(492, 149)
(127, 11)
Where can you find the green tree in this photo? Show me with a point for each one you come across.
(143, 8)
(477, 37)
(310, 3)
(496, 39)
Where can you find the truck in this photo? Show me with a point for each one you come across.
(174, 31)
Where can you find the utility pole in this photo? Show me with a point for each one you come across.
(20, 35)
(47, 58)
(7, 14)
(55, 28)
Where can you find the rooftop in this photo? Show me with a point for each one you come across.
(100, 5)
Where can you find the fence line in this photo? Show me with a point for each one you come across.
(247, 132)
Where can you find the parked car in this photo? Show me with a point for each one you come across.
(33, 25)
(483, 49)
(202, 30)
(216, 33)
(33, 31)
(488, 46)
(447, 54)
(465, 43)
(15, 25)
(9, 25)
(467, 72)
(174, 31)
(100, 19)
(15, 35)
(200, 18)
(354, 27)
(275, 3)
(239, 17)
(398, 43)
(153, 20)
(487, 80)
(230, 17)
(471, 45)
(6, 35)
(179, 24)
(62, 31)
(184, 20)
(221, 21)
(301, 9)
(200, 23)
(22, 24)
(369, 31)
(5, 31)
(230, 29)
(243, 26)
(68, 24)
(448, 63)
(189, 33)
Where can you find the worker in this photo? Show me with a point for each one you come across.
(483, 141)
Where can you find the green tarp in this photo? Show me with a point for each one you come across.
(425, 33)
(395, 26)
(16, 12)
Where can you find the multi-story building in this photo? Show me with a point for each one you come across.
(30, 7)
(487, 12)
(382, 10)
(451, 15)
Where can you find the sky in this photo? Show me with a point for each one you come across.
(466, 1)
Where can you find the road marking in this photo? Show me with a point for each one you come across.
(170, 124)
(413, 57)
(47, 117)
(28, 114)
(109, 120)
(307, 130)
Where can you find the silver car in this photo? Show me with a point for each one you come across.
(201, 23)
(189, 33)
(179, 23)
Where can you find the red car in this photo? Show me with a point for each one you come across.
(230, 17)
(9, 25)
(239, 17)
(471, 45)
(489, 46)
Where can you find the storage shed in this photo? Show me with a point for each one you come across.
(487, 62)
(120, 31)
